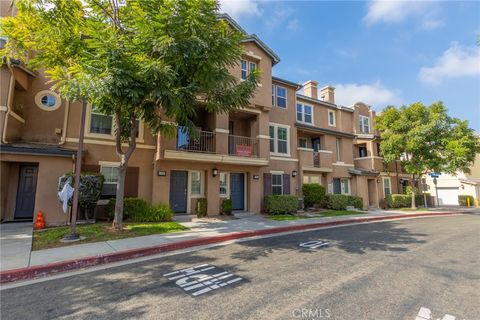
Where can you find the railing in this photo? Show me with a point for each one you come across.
(316, 159)
(202, 141)
(242, 146)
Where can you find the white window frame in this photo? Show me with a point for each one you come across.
(384, 179)
(275, 139)
(227, 187)
(275, 96)
(334, 123)
(104, 165)
(190, 184)
(302, 112)
(338, 152)
(343, 184)
(248, 66)
(277, 173)
(41, 94)
(362, 124)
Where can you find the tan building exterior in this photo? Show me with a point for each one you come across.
(281, 140)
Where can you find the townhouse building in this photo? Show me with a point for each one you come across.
(281, 140)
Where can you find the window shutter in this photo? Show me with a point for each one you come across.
(131, 182)
(267, 184)
(286, 183)
(90, 168)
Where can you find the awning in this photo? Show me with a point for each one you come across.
(37, 149)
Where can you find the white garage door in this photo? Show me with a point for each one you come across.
(448, 196)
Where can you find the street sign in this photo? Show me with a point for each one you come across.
(434, 174)
(314, 244)
(201, 279)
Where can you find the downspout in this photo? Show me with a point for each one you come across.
(11, 87)
(63, 139)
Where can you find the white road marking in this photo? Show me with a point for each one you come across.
(313, 244)
(448, 317)
(426, 314)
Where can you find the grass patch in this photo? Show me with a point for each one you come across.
(337, 213)
(286, 217)
(50, 237)
(410, 209)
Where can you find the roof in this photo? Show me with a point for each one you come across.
(327, 104)
(250, 37)
(322, 130)
(290, 83)
(37, 149)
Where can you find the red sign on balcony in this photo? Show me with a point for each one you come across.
(242, 150)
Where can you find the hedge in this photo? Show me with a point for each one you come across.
(138, 210)
(281, 204)
(342, 201)
(462, 200)
(313, 194)
(201, 208)
(399, 200)
(226, 207)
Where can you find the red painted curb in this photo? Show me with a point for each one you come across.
(62, 266)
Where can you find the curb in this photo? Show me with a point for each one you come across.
(68, 265)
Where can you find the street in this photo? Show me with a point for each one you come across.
(386, 270)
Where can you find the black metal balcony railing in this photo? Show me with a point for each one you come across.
(242, 146)
(316, 159)
(202, 141)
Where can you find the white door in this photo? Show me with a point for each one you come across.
(447, 196)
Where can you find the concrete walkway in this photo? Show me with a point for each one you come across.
(15, 245)
(198, 229)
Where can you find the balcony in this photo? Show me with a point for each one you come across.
(314, 161)
(369, 163)
(202, 141)
(242, 146)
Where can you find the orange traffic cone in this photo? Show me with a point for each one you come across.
(39, 222)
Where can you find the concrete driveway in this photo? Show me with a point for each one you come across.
(15, 245)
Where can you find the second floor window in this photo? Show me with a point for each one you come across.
(362, 151)
(364, 123)
(247, 67)
(100, 123)
(302, 143)
(279, 139)
(338, 148)
(279, 96)
(304, 113)
(331, 118)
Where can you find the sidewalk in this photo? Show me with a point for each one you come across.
(15, 245)
(198, 229)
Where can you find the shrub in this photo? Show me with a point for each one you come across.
(201, 208)
(138, 210)
(281, 204)
(383, 204)
(420, 200)
(342, 201)
(462, 200)
(399, 200)
(226, 207)
(313, 194)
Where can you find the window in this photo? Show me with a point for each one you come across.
(277, 183)
(247, 67)
(341, 186)
(364, 123)
(279, 139)
(224, 184)
(109, 189)
(273, 94)
(280, 97)
(100, 123)
(302, 143)
(338, 146)
(387, 186)
(331, 118)
(48, 100)
(362, 150)
(304, 113)
(196, 183)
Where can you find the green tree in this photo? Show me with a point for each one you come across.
(426, 139)
(152, 60)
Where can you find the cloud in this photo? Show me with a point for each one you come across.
(374, 94)
(397, 11)
(455, 62)
(240, 8)
(278, 18)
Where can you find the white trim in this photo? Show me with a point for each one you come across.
(334, 118)
(369, 157)
(221, 130)
(275, 96)
(202, 187)
(360, 117)
(304, 149)
(16, 117)
(227, 174)
(109, 143)
(275, 134)
(109, 163)
(277, 173)
(3, 108)
(303, 113)
(261, 136)
(325, 151)
(251, 54)
(41, 94)
(284, 159)
(342, 164)
(389, 185)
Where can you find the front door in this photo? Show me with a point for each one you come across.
(237, 190)
(27, 186)
(178, 191)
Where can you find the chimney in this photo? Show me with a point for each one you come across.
(327, 94)
(310, 89)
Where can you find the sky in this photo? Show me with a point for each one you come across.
(378, 52)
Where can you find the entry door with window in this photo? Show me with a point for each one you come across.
(27, 187)
(178, 191)
(237, 190)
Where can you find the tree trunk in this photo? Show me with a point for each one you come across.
(413, 193)
(118, 218)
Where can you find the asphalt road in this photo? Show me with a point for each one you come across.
(384, 271)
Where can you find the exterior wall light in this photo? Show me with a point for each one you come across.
(294, 173)
(214, 172)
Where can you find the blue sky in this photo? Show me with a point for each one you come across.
(378, 52)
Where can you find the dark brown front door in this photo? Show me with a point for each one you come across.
(27, 186)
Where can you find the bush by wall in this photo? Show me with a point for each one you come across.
(281, 204)
(342, 201)
(313, 194)
(138, 210)
(462, 200)
(201, 208)
(399, 200)
(226, 207)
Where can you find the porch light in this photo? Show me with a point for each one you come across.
(294, 173)
(214, 172)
